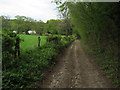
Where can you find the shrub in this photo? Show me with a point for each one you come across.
(8, 42)
(54, 39)
(20, 72)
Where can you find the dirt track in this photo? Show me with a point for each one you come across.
(76, 70)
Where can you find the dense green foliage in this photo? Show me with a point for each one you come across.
(98, 25)
(52, 26)
(53, 39)
(22, 25)
(28, 68)
(8, 42)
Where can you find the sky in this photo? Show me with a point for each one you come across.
(37, 9)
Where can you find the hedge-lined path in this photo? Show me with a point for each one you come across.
(76, 70)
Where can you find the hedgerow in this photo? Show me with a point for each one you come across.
(28, 68)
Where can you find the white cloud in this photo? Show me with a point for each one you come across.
(36, 9)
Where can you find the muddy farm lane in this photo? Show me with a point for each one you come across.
(75, 70)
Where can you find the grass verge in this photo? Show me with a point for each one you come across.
(107, 60)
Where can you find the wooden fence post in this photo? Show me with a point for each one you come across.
(15, 50)
(18, 41)
(38, 42)
(17, 47)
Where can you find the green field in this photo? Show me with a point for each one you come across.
(29, 42)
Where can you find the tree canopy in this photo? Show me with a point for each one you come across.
(24, 24)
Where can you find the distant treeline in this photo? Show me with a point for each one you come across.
(22, 24)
